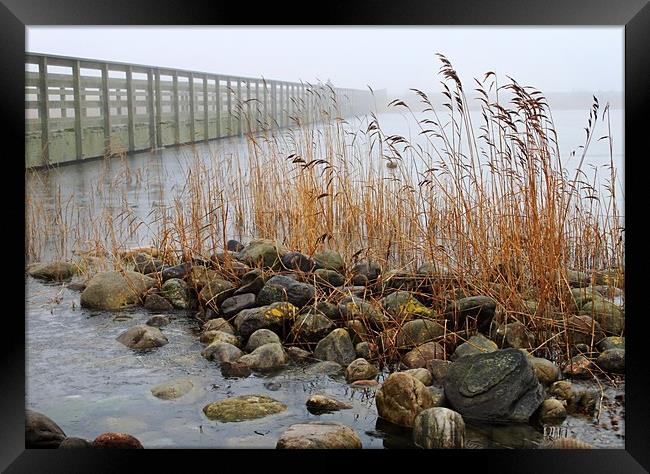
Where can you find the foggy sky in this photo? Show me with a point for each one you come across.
(397, 58)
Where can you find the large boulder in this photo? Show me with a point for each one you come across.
(261, 337)
(218, 324)
(267, 357)
(233, 305)
(417, 332)
(114, 290)
(439, 427)
(298, 261)
(402, 305)
(329, 260)
(154, 302)
(319, 435)
(142, 336)
(401, 398)
(499, 386)
(262, 252)
(283, 288)
(215, 292)
(41, 431)
(276, 317)
(312, 326)
(177, 293)
(336, 347)
(222, 352)
(420, 356)
(360, 369)
(328, 278)
(609, 315)
(474, 311)
(245, 407)
(612, 360)
(251, 282)
(52, 271)
(474, 345)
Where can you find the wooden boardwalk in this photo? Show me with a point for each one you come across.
(77, 108)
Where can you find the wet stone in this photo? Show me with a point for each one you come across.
(324, 403)
(241, 408)
(158, 321)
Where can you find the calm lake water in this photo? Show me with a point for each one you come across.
(81, 377)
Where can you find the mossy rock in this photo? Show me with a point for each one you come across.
(242, 408)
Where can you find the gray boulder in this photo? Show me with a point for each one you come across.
(142, 336)
(612, 360)
(499, 386)
(336, 347)
(312, 326)
(261, 337)
(421, 355)
(52, 271)
(282, 288)
(329, 260)
(222, 352)
(417, 332)
(233, 305)
(473, 311)
(319, 435)
(177, 293)
(261, 252)
(360, 369)
(265, 358)
(41, 431)
(474, 345)
(277, 317)
(154, 302)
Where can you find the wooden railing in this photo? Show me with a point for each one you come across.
(77, 108)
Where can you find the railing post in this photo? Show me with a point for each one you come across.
(158, 110)
(217, 81)
(177, 115)
(106, 107)
(44, 109)
(192, 125)
(274, 104)
(76, 89)
(281, 107)
(206, 129)
(239, 107)
(131, 108)
(266, 103)
(150, 111)
(249, 128)
(229, 103)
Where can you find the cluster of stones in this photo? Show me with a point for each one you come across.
(264, 306)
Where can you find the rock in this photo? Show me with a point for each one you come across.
(421, 355)
(245, 407)
(611, 342)
(514, 335)
(358, 291)
(319, 435)
(360, 369)
(41, 431)
(215, 292)
(336, 347)
(329, 260)
(402, 305)
(199, 276)
(613, 277)
(580, 349)
(234, 245)
(438, 369)
(552, 412)
(370, 271)
(218, 324)
(323, 403)
(401, 398)
(364, 384)
(328, 309)
(357, 331)
(154, 302)
(438, 427)
(423, 375)
(353, 307)
(580, 328)
(210, 337)
(235, 369)
(233, 305)
(612, 360)
(547, 372)
(176, 271)
(312, 326)
(582, 296)
(583, 401)
(610, 317)
(267, 357)
(177, 293)
(562, 389)
(116, 441)
(75, 443)
(145, 263)
(417, 332)
(298, 261)
(297, 354)
(112, 290)
(261, 337)
(474, 345)
(52, 271)
(158, 321)
(78, 286)
(578, 366)
(282, 288)
(329, 278)
(222, 352)
(363, 350)
(265, 253)
(499, 386)
(251, 282)
(325, 367)
(474, 311)
(438, 396)
(400, 280)
(172, 389)
(577, 279)
(142, 336)
(276, 317)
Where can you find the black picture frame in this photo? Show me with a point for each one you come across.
(634, 15)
